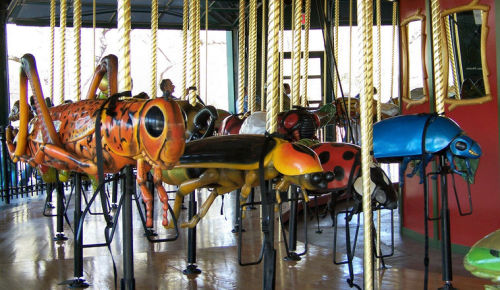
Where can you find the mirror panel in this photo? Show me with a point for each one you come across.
(413, 37)
(466, 33)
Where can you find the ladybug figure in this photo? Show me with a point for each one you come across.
(298, 124)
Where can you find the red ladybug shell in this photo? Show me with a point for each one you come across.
(343, 159)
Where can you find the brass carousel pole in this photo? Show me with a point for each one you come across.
(365, 22)
(154, 46)
(192, 56)
(77, 25)
(52, 26)
(252, 56)
(241, 57)
(296, 52)
(306, 52)
(273, 75)
(263, 59)
(62, 26)
(185, 17)
(379, 117)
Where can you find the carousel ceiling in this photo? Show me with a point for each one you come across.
(222, 14)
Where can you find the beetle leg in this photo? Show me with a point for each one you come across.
(251, 177)
(71, 161)
(162, 193)
(142, 170)
(206, 206)
(203, 211)
(209, 176)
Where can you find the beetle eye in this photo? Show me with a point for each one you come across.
(154, 121)
(316, 178)
(461, 145)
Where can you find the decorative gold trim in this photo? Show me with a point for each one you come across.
(417, 16)
(473, 5)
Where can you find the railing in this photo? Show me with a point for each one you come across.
(17, 180)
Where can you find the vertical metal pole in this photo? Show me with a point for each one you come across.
(268, 230)
(237, 212)
(114, 194)
(128, 281)
(191, 250)
(445, 229)
(4, 69)
(5, 168)
(292, 221)
(60, 213)
(78, 250)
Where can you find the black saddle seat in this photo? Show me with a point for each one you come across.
(234, 149)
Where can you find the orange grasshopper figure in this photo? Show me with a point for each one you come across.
(148, 134)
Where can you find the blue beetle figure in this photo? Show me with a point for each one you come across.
(409, 137)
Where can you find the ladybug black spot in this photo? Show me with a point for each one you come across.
(338, 172)
(348, 155)
(324, 157)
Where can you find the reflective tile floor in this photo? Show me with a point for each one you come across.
(30, 259)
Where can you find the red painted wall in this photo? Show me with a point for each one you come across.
(480, 122)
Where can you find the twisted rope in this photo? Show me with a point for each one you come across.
(336, 46)
(192, 55)
(282, 55)
(154, 46)
(241, 56)
(365, 22)
(77, 26)
(379, 82)
(439, 88)
(273, 67)
(452, 60)
(124, 27)
(394, 7)
(252, 52)
(185, 11)
(296, 52)
(263, 59)
(306, 51)
(198, 44)
(62, 25)
(52, 28)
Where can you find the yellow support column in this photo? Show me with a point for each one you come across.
(62, 26)
(365, 22)
(252, 56)
(273, 66)
(124, 27)
(439, 85)
(297, 29)
(241, 56)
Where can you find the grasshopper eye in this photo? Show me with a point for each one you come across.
(461, 145)
(155, 122)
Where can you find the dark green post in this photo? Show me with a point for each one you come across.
(4, 80)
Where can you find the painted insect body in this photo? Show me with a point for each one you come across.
(226, 163)
(409, 137)
(145, 133)
(343, 159)
(483, 259)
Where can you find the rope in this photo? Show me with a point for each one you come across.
(77, 26)
(192, 56)
(93, 31)
(124, 27)
(273, 66)
(452, 60)
(52, 28)
(62, 25)
(439, 88)
(350, 75)
(263, 59)
(206, 51)
(365, 22)
(282, 56)
(379, 71)
(198, 44)
(379, 117)
(394, 7)
(336, 45)
(306, 51)
(154, 46)
(241, 56)
(296, 52)
(185, 11)
(252, 52)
